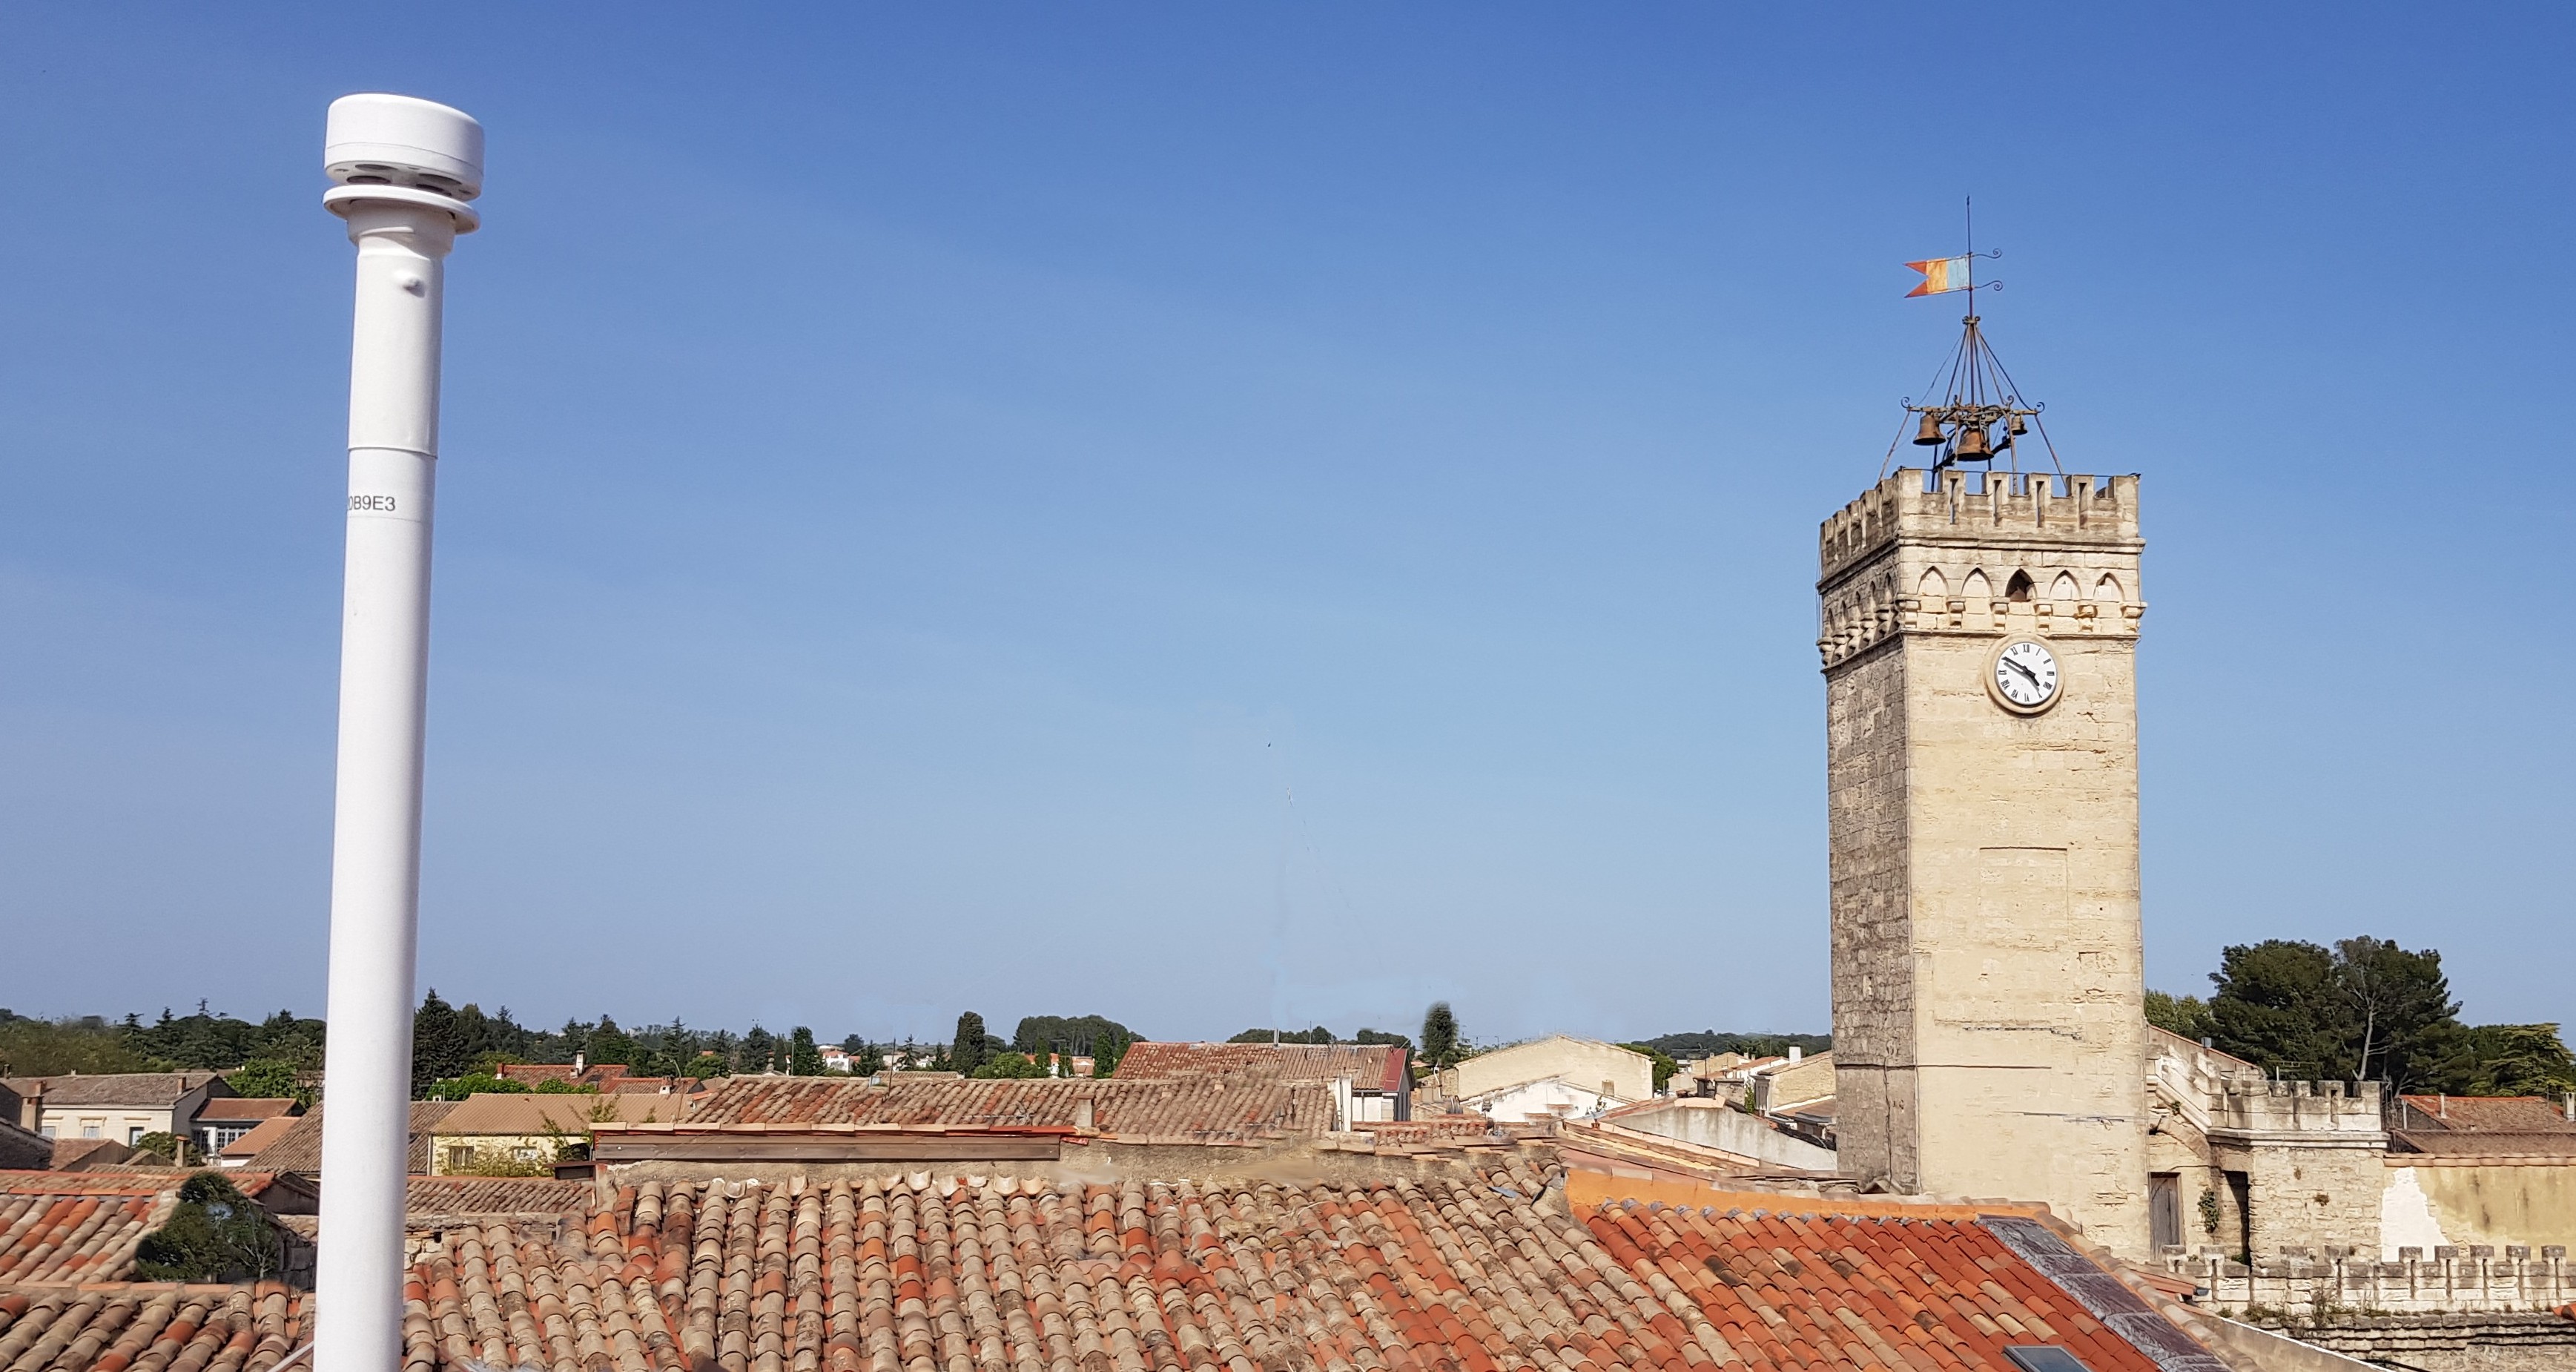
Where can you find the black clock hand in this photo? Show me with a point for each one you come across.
(2025, 671)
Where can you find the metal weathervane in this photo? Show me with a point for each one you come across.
(1972, 411)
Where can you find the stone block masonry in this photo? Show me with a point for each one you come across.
(1987, 975)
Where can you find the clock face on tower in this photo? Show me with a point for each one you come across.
(2024, 676)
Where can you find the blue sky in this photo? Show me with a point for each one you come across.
(1217, 515)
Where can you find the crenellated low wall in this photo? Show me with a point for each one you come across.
(2452, 1280)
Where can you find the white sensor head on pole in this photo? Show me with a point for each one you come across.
(398, 140)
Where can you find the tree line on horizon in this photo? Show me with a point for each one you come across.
(2364, 1009)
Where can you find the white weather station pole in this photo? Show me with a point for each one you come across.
(405, 169)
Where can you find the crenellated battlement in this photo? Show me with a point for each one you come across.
(1980, 553)
(2357, 1277)
(2307, 1108)
(2044, 507)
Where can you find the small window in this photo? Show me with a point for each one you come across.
(2019, 587)
(93, 1129)
(46, 1132)
(134, 1134)
(2044, 1357)
(460, 1157)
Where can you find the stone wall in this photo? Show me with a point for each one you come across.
(1987, 961)
(2497, 1342)
(2432, 1201)
(2344, 1278)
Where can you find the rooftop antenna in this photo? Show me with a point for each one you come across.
(404, 171)
(1972, 411)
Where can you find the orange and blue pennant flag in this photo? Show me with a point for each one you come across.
(1940, 275)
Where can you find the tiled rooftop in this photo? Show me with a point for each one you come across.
(1188, 1110)
(149, 1090)
(434, 1197)
(78, 1226)
(511, 1114)
(244, 1109)
(1482, 1270)
(1472, 1273)
(1370, 1066)
(81, 1155)
(83, 1226)
(2485, 1114)
(299, 1149)
(156, 1328)
(262, 1135)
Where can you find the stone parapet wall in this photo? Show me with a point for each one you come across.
(2452, 1280)
(2299, 1107)
(2498, 1341)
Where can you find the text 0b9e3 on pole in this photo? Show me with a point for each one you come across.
(405, 170)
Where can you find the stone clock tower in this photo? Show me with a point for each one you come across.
(1979, 633)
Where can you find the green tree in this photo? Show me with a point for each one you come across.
(1318, 1034)
(2411, 1034)
(475, 1084)
(436, 1049)
(803, 1058)
(269, 1079)
(1008, 1065)
(1665, 1067)
(2365, 1009)
(1440, 1046)
(966, 1052)
(1108, 1049)
(86, 1044)
(608, 1043)
(756, 1049)
(2185, 1015)
(2275, 1005)
(169, 1148)
(214, 1234)
(2520, 1060)
(1382, 1036)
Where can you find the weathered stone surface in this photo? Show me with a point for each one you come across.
(1987, 978)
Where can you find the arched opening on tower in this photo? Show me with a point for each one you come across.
(2018, 588)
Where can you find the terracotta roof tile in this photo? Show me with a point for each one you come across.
(1370, 1066)
(257, 1141)
(510, 1113)
(78, 1226)
(155, 1090)
(80, 1155)
(150, 1328)
(2482, 1143)
(1447, 1273)
(2486, 1114)
(299, 1149)
(237, 1109)
(453, 1196)
(1197, 1110)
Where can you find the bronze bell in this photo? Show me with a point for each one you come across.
(2016, 428)
(1972, 445)
(1929, 436)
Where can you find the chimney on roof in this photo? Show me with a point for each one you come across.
(1796, 1052)
(1082, 1113)
(2567, 1105)
(577, 1063)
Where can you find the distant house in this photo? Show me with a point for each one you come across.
(1371, 1081)
(297, 1149)
(607, 1078)
(1557, 1076)
(240, 1151)
(23, 1150)
(521, 1129)
(225, 1119)
(123, 1106)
